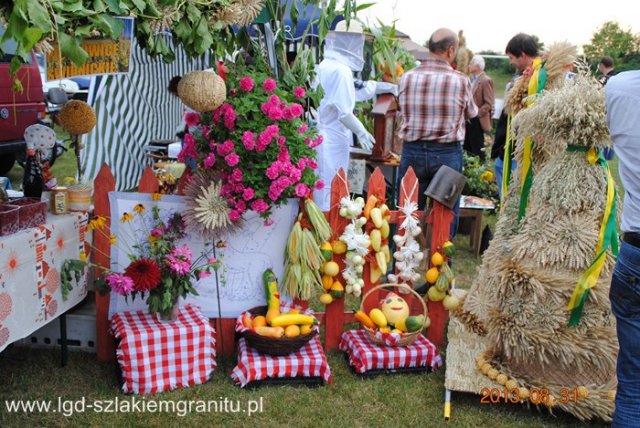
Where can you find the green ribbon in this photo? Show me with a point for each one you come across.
(609, 239)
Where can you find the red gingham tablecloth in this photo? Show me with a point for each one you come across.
(364, 355)
(157, 356)
(308, 361)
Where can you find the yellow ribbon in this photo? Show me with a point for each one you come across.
(590, 277)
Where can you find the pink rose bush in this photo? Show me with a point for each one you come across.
(256, 144)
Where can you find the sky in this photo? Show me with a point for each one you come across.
(489, 24)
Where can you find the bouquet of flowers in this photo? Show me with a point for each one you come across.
(256, 147)
(162, 266)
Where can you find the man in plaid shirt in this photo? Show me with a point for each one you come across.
(435, 101)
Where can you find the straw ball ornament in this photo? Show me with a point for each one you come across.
(77, 117)
(202, 91)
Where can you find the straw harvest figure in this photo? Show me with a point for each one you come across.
(545, 308)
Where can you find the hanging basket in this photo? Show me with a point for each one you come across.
(276, 347)
(202, 91)
(386, 339)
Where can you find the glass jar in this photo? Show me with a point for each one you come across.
(59, 200)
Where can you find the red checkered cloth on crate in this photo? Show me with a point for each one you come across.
(308, 361)
(157, 356)
(365, 356)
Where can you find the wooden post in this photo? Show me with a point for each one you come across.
(335, 316)
(440, 218)
(103, 184)
(148, 182)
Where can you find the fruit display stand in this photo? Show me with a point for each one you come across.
(307, 365)
(156, 355)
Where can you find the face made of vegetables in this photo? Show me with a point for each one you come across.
(394, 308)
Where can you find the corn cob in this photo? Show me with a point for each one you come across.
(320, 225)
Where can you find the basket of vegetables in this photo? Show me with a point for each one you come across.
(273, 329)
(391, 324)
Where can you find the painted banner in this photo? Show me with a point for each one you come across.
(248, 253)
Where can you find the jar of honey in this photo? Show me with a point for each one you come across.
(59, 200)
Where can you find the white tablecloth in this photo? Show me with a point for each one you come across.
(30, 263)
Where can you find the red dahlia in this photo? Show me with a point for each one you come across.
(145, 274)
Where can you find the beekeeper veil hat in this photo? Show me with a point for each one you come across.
(346, 45)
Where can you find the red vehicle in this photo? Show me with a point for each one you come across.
(18, 110)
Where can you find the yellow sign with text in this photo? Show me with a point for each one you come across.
(105, 57)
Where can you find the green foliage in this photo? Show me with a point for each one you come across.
(71, 270)
(611, 40)
(480, 179)
(387, 52)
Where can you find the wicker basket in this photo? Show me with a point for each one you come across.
(275, 347)
(406, 339)
(202, 91)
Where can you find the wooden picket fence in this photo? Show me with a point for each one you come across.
(334, 318)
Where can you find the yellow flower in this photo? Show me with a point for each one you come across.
(139, 208)
(112, 239)
(156, 196)
(97, 222)
(152, 238)
(487, 176)
(83, 256)
(126, 217)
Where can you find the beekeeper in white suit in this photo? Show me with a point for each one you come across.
(343, 55)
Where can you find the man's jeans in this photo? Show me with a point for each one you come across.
(625, 304)
(426, 158)
(498, 167)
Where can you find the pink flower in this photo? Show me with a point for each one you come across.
(296, 109)
(225, 148)
(120, 284)
(248, 140)
(312, 164)
(248, 193)
(234, 215)
(259, 206)
(269, 85)
(182, 251)
(192, 118)
(205, 131)
(236, 175)
(303, 128)
(267, 222)
(241, 206)
(189, 150)
(319, 185)
(176, 265)
(212, 145)
(246, 84)
(274, 100)
(210, 160)
(275, 113)
(313, 143)
(204, 274)
(232, 159)
(157, 232)
(299, 92)
(302, 190)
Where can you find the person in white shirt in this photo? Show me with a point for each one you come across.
(623, 117)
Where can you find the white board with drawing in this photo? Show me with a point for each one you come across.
(248, 252)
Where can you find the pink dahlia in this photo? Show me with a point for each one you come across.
(269, 85)
(246, 84)
(259, 206)
(119, 284)
(210, 160)
(232, 159)
(302, 190)
(299, 92)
